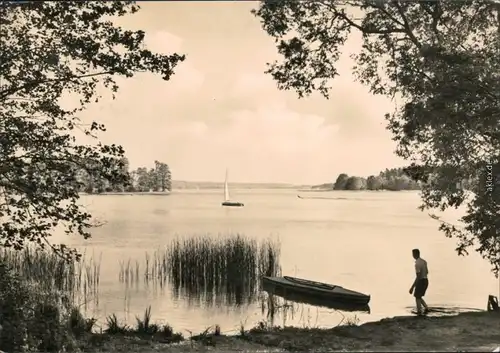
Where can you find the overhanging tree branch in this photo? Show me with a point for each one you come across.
(31, 85)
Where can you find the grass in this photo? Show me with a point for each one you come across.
(114, 327)
(144, 328)
(218, 270)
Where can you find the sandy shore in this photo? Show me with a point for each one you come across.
(465, 332)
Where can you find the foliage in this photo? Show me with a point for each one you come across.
(52, 51)
(144, 328)
(13, 301)
(374, 183)
(32, 319)
(78, 324)
(144, 325)
(341, 182)
(90, 182)
(114, 327)
(156, 179)
(395, 179)
(441, 59)
(355, 183)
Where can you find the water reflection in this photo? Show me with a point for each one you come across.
(313, 299)
(318, 302)
(444, 310)
(215, 293)
(300, 310)
(286, 304)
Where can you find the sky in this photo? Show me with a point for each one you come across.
(221, 111)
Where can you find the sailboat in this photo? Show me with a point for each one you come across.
(227, 202)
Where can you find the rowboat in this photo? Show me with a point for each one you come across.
(304, 287)
(320, 302)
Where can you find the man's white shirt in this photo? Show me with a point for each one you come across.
(421, 268)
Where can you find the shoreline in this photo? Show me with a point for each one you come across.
(127, 193)
(363, 190)
(166, 193)
(469, 331)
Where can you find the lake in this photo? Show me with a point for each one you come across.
(361, 240)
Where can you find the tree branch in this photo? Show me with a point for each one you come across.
(365, 30)
(408, 30)
(5, 93)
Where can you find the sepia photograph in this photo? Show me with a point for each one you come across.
(250, 176)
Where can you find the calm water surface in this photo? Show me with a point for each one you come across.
(361, 241)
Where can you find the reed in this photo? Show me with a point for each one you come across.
(217, 270)
(51, 272)
(129, 272)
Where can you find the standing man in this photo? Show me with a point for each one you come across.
(419, 286)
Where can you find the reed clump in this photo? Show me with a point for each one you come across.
(49, 272)
(223, 268)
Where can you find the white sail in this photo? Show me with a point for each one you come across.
(226, 189)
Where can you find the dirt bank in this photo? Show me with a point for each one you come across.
(478, 331)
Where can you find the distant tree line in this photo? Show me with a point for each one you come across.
(395, 179)
(141, 179)
(158, 178)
